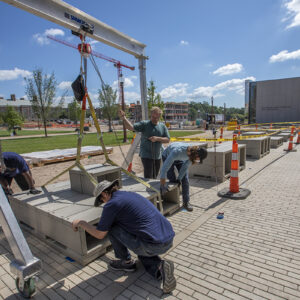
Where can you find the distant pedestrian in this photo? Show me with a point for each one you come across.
(154, 134)
(180, 156)
(133, 222)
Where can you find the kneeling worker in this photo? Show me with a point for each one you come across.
(133, 222)
(17, 168)
(180, 155)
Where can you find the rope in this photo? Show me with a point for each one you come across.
(105, 95)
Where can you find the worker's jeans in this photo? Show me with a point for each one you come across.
(151, 167)
(122, 240)
(184, 182)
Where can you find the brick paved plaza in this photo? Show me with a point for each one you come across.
(253, 253)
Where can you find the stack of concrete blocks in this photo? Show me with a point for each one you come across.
(256, 147)
(249, 133)
(284, 135)
(289, 131)
(218, 163)
(81, 183)
(276, 141)
(50, 214)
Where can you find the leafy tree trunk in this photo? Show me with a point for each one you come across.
(153, 98)
(107, 100)
(40, 90)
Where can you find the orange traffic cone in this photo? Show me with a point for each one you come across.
(271, 126)
(221, 135)
(239, 130)
(234, 177)
(129, 169)
(290, 147)
(234, 191)
(256, 126)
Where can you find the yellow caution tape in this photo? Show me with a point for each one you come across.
(204, 139)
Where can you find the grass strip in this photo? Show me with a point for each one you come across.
(34, 144)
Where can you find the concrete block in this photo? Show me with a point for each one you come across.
(284, 135)
(49, 215)
(218, 163)
(276, 141)
(82, 184)
(256, 147)
(248, 133)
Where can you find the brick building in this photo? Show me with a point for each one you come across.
(176, 112)
(23, 107)
(135, 111)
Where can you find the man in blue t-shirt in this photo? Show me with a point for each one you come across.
(154, 134)
(133, 222)
(16, 168)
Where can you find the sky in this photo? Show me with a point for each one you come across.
(196, 48)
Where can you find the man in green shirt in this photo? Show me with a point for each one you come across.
(154, 133)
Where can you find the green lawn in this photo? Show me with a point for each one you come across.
(70, 141)
(4, 133)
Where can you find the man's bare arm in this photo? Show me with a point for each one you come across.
(127, 123)
(92, 230)
(159, 139)
(29, 179)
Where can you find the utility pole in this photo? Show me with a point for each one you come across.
(212, 105)
(224, 113)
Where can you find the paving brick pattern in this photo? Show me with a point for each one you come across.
(253, 253)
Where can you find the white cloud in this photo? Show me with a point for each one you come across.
(13, 74)
(42, 39)
(293, 7)
(127, 83)
(131, 97)
(174, 91)
(236, 85)
(285, 55)
(65, 85)
(184, 43)
(228, 69)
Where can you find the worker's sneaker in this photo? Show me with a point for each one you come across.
(188, 206)
(167, 273)
(122, 265)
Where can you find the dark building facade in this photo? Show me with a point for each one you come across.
(273, 100)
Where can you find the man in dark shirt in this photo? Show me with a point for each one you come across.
(17, 168)
(133, 222)
(154, 134)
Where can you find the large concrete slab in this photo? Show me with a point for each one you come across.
(49, 215)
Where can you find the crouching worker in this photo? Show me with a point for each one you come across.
(180, 155)
(16, 168)
(133, 222)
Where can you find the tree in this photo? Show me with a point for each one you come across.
(153, 98)
(193, 113)
(107, 99)
(58, 110)
(40, 90)
(74, 110)
(12, 118)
